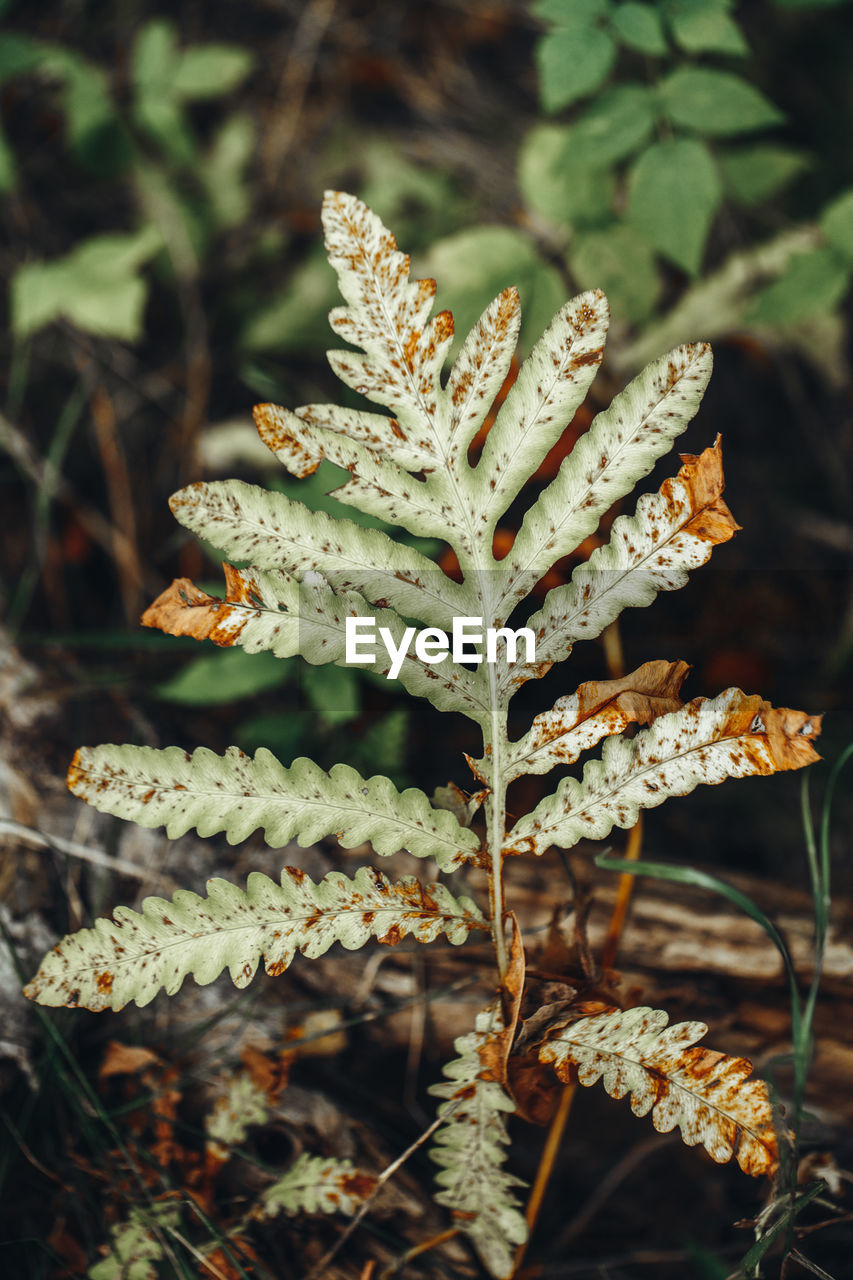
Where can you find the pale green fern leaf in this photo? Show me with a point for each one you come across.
(243, 1105)
(237, 794)
(136, 1248)
(711, 1098)
(621, 446)
(274, 611)
(133, 956)
(317, 1184)
(731, 736)
(550, 387)
(469, 1147)
(274, 532)
(672, 531)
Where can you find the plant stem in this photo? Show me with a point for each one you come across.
(496, 824)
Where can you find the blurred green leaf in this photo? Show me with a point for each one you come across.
(333, 692)
(225, 676)
(210, 70)
(184, 231)
(569, 12)
(836, 223)
(715, 103)
(674, 191)
(613, 127)
(475, 265)
(812, 282)
(383, 747)
(222, 171)
(618, 260)
(8, 168)
(297, 319)
(639, 27)
(573, 62)
(283, 733)
(556, 187)
(164, 121)
(18, 54)
(753, 174)
(707, 28)
(96, 287)
(154, 60)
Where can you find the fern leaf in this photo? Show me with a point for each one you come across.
(274, 611)
(317, 1184)
(133, 956)
(478, 373)
(709, 739)
(237, 794)
(300, 446)
(621, 447)
(711, 1098)
(470, 1148)
(672, 532)
(136, 1249)
(597, 710)
(243, 1105)
(550, 387)
(274, 532)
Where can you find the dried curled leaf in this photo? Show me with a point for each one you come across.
(470, 1145)
(237, 794)
(316, 1184)
(133, 956)
(709, 739)
(597, 710)
(711, 1098)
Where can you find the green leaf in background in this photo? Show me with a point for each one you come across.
(96, 287)
(753, 174)
(18, 54)
(284, 733)
(210, 70)
(567, 12)
(715, 103)
(707, 28)
(618, 260)
(573, 62)
(613, 127)
(639, 27)
(836, 223)
(813, 282)
(384, 746)
(475, 265)
(222, 171)
(297, 317)
(8, 169)
(674, 191)
(554, 186)
(225, 676)
(333, 692)
(154, 60)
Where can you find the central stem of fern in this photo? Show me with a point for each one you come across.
(493, 743)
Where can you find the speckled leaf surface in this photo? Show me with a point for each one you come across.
(713, 1099)
(238, 794)
(134, 955)
(731, 736)
(317, 1184)
(469, 1147)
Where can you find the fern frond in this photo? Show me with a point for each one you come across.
(672, 532)
(274, 611)
(598, 709)
(317, 1184)
(133, 956)
(709, 739)
(550, 387)
(621, 446)
(243, 1105)
(274, 532)
(237, 794)
(470, 1148)
(135, 1248)
(711, 1098)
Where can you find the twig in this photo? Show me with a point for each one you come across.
(71, 848)
(546, 1168)
(293, 86)
(320, 1267)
